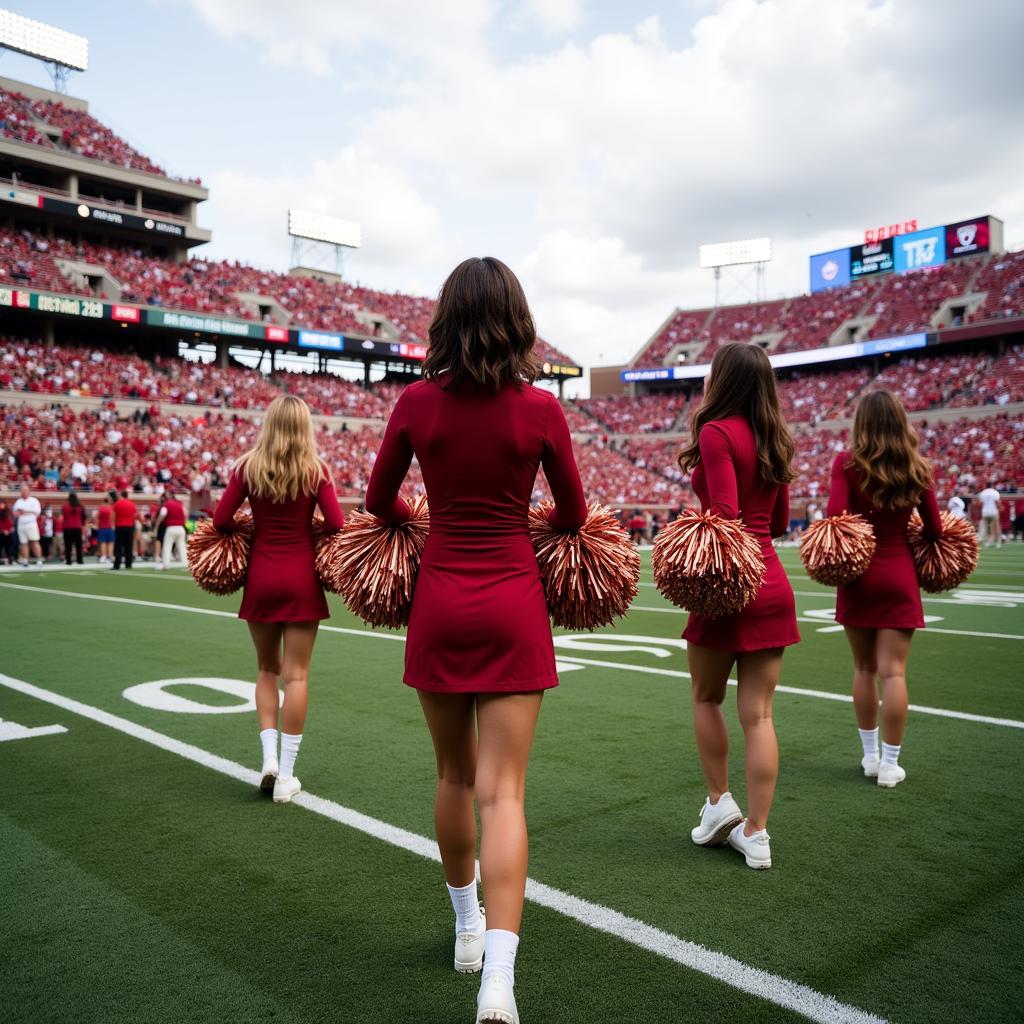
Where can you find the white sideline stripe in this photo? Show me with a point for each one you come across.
(781, 991)
(797, 691)
(817, 622)
(621, 666)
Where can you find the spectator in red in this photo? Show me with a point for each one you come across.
(8, 543)
(105, 528)
(172, 515)
(74, 523)
(126, 516)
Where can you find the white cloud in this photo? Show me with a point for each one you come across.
(597, 167)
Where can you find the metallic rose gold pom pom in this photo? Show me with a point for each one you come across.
(218, 561)
(373, 565)
(590, 575)
(706, 564)
(945, 563)
(837, 550)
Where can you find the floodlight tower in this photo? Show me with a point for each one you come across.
(753, 254)
(62, 52)
(317, 238)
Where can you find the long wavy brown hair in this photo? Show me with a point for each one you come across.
(482, 329)
(742, 383)
(883, 450)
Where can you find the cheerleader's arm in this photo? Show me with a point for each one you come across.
(930, 518)
(562, 473)
(839, 488)
(392, 463)
(780, 513)
(230, 501)
(719, 471)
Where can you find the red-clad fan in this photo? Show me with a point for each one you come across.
(883, 478)
(74, 524)
(740, 459)
(171, 521)
(105, 528)
(479, 647)
(126, 519)
(284, 481)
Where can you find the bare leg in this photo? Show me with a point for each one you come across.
(758, 674)
(506, 723)
(299, 638)
(893, 654)
(450, 719)
(710, 669)
(863, 646)
(266, 636)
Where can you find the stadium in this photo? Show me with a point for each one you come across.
(145, 878)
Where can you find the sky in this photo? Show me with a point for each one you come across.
(593, 146)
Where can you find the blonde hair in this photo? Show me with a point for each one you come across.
(283, 463)
(884, 452)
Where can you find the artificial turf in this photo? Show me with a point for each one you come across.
(140, 886)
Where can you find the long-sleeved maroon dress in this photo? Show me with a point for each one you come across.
(887, 595)
(479, 621)
(728, 481)
(281, 584)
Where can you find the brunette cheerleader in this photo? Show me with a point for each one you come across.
(479, 648)
(740, 456)
(883, 478)
(283, 602)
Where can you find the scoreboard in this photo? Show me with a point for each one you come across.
(916, 250)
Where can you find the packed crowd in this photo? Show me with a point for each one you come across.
(652, 413)
(25, 262)
(75, 131)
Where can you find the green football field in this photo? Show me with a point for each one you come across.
(145, 879)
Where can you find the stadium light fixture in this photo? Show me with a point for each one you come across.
(44, 42)
(729, 254)
(318, 227)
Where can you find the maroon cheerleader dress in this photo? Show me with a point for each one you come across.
(728, 481)
(281, 584)
(479, 621)
(887, 595)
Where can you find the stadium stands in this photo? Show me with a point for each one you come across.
(905, 303)
(645, 414)
(1002, 281)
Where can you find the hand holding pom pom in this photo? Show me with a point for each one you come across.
(709, 565)
(590, 575)
(218, 561)
(373, 565)
(944, 563)
(837, 550)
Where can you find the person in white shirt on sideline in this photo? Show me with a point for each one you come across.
(172, 514)
(27, 511)
(991, 533)
(956, 507)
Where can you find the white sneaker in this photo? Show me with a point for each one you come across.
(285, 789)
(268, 776)
(716, 821)
(469, 949)
(755, 848)
(870, 766)
(890, 775)
(496, 1001)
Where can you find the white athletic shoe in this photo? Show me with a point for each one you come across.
(755, 849)
(716, 822)
(496, 1001)
(469, 949)
(890, 775)
(285, 789)
(269, 774)
(870, 766)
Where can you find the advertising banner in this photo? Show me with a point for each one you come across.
(967, 237)
(274, 333)
(920, 249)
(204, 324)
(830, 270)
(116, 218)
(126, 314)
(661, 373)
(876, 258)
(320, 340)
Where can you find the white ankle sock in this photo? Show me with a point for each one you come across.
(467, 909)
(289, 751)
(500, 954)
(869, 741)
(268, 739)
(890, 753)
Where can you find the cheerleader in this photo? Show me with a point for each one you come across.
(883, 478)
(479, 648)
(283, 602)
(739, 457)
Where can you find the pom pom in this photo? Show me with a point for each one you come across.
(944, 563)
(837, 550)
(590, 575)
(218, 561)
(709, 565)
(373, 565)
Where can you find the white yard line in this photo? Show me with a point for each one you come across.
(621, 666)
(773, 988)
